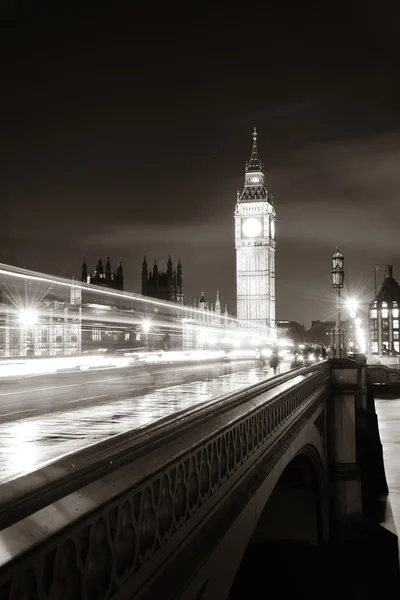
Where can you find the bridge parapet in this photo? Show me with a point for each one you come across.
(380, 374)
(112, 531)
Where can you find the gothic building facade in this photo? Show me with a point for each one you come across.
(50, 327)
(104, 276)
(255, 220)
(163, 285)
(203, 323)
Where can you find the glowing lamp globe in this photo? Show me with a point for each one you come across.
(146, 325)
(28, 317)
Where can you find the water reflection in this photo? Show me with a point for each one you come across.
(28, 444)
(20, 452)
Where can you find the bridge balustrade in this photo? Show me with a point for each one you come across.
(379, 374)
(110, 526)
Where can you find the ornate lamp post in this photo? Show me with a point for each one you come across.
(352, 305)
(146, 326)
(28, 318)
(337, 282)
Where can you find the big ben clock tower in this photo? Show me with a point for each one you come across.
(255, 247)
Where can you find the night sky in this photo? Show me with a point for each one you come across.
(126, 133)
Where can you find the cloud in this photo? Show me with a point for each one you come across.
(345, 192)
(196, 235)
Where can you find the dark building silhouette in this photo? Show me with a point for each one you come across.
(104, 276)
(322, 332)
(164, 285)
(292, 330)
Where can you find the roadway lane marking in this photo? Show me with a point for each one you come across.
(19, 412)
(69, 385)
(170, 387)
(54, 387)
(88, 398)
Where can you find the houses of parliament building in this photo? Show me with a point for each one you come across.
(104, 276)
(164, 285)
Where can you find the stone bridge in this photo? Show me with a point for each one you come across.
(173, 510)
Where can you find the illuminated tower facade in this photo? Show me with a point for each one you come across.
(255, 246)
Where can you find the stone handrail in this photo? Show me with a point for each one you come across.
(382, 374)
(117, 530)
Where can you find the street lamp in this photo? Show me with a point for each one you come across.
(361, 339)
(337, 282)
(28, 318)
(146, 326)
(352, 305)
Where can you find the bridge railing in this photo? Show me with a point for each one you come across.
(382, 374)
(108, 519)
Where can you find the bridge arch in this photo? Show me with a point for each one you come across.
(291, 527)
(297, 505)
(244, 547)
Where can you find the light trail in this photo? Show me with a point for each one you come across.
(44, 366)
(46, 316)
(18, 273)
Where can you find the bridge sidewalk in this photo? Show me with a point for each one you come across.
(388, 411)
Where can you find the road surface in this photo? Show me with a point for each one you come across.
(44, 418)
(44, 394)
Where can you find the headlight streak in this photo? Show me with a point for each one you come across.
(57, 323)
(18, 273)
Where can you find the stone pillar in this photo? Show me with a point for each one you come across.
(361, 395)
(345, 478)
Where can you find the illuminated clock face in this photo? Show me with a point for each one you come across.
(251, 228)
(255, 180)
(272, 229)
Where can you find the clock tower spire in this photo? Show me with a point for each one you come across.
(255, 246)
(254, 163)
